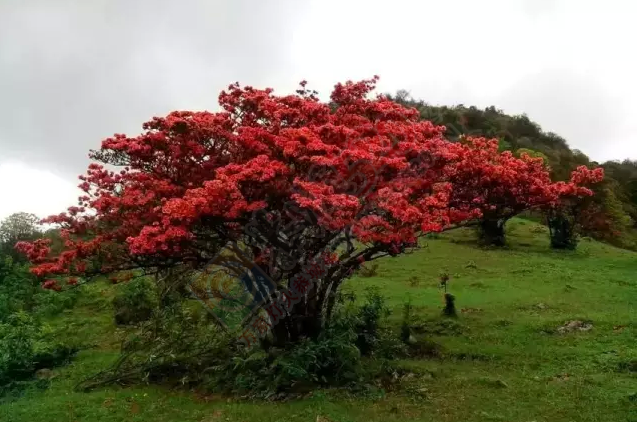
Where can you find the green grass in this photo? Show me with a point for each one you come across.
(506, 364)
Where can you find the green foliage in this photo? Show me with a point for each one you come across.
(25, 348)
(25, 343)
(17, 287)
(17, 338)
(47, 303)
(368, 320)
(20, 290)
(336, 358)
(135, 302)
(331, 360)
(14, 228)
(368, 270)
(179, 346)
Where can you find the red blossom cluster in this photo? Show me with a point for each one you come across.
(501, 185)
(192, 180)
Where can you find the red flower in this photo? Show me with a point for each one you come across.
(50, 284)
(361, 166)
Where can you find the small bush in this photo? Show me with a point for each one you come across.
(134, 302)
(331, 360)
(24, 349)
(188, 351)
(369, 270)
(414, 281)
(368, 320)
(48, 303)
(17, 287)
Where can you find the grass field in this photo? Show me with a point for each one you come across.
(506, 362)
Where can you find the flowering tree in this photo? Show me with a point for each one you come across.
(288, 177)
(502, 185)
(567, 212)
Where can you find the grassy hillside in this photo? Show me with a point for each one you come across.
(503, 361)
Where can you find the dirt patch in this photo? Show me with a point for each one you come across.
(574, 325)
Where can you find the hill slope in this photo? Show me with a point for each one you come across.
(503, 360)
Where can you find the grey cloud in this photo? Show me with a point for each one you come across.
(74, 72)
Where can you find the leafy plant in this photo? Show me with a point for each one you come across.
(368, 270)
(25, 348)
(134, 302)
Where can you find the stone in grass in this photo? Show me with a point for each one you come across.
(44, 374)
(561, 377)
(574, 325)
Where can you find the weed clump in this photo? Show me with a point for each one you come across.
(134, 302)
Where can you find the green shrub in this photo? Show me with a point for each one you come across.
(367, 322)
(134, 302)
(179, 346)
(17, 287)
(331, 360)
(48, 302)
(17, 340)
(19, 290)
(24, 349)
(369, 270)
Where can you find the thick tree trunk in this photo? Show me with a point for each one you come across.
(304, 321)
(562, 232)
(492, 231)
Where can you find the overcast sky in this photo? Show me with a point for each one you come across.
(74, 72)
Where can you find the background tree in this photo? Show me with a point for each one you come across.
(17, 227)
(565, 216)
(502, 185)
(519, 133)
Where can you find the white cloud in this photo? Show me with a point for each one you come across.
(23, 188)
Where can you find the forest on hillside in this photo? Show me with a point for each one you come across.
(610, 214)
